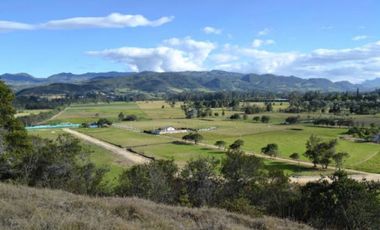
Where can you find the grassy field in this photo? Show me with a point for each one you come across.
(99, 156)
(163, 147)
(27, 112)
(79, 113)
(157, 114)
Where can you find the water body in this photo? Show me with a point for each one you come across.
(57, 126)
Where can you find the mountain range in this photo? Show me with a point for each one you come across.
(154, 82)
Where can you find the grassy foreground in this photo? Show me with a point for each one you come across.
(29, 208)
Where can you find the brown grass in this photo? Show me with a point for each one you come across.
(28, 208)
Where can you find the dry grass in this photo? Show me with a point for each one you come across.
(29, 208)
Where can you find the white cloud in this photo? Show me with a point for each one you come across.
(359, 37)
(114, 20)
(223, 58)
(211, 30)
(258, 43)
(264, 32)
(172, 55)
(353, 64)
(8, 25)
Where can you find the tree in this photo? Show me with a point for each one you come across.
(121, 116)
(342, 204)
(292, 120)
(200, 180)
(235, 116)
(220, 144)
(237, 144)
(13, 136)
(241, 172)
(269, 107)
(256, 119)
(265, 119)
(130, 118)
(295, 156)
(270, 150)
(339, 159)
(155, 181)
(103, 122)
(320, 152)
(196, 137)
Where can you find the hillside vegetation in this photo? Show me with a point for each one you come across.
(29, 208)
(209, 81)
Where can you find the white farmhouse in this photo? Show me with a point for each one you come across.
(169, 130)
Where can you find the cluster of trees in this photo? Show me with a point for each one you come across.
(197, 109)
(366, 133)
(34, 102)
(253, 109)
(60, 164)
(323, 152)
(336, 103)
(34, 119)
(241, 183)
(334, 121)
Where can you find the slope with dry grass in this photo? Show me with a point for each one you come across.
(28, 208)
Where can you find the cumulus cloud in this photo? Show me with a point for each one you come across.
(354, 64)
(263, 32)
(258, 43)
(114, 20)
(359, 37)
(211, 30)
(171, 55)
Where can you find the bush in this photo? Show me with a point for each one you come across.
(265, 119)
(292, 120)
(235, 116)
(256, 118)
(130, 118)
(270, 150)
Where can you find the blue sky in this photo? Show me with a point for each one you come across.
(335, 39)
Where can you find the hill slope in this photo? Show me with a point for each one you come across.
(28, 208)
(153, 82)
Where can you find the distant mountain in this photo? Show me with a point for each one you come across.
(21, 81)
(19, 78)
(375, 83)
(75, 78)
(207, 81)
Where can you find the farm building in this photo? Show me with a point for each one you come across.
(168, 130)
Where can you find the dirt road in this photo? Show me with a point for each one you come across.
(131, 157)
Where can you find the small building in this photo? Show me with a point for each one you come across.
(168, 130)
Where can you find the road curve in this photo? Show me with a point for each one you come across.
(131, 157)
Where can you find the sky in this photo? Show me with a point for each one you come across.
(334, 39)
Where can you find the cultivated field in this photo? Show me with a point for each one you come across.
(157, 114)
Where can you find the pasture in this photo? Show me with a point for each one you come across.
(27, 112)
(158, 114)
(79, 113)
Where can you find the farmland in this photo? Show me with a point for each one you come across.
(158, 114)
